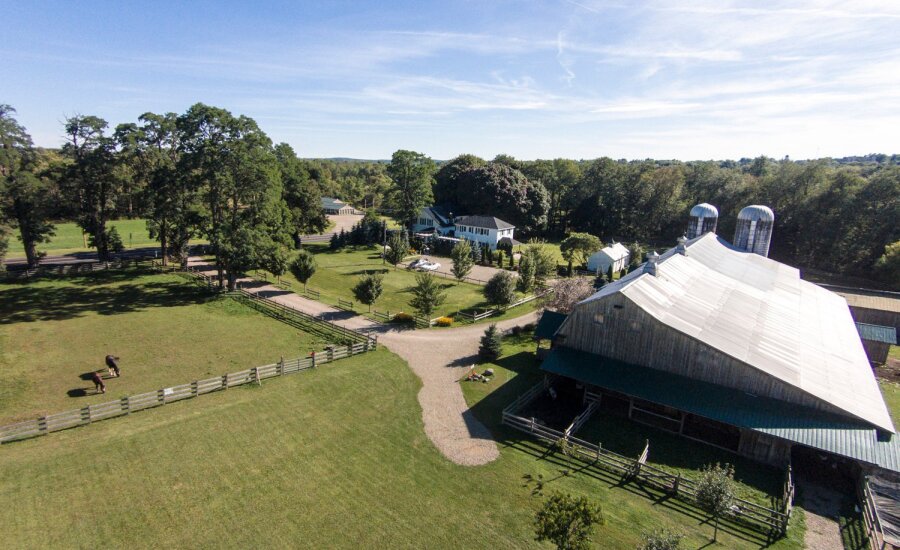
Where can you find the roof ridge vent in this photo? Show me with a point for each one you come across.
(652, 265)
(680, 248)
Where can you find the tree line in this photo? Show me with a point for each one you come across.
(209, 174)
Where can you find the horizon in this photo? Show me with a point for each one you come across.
(582, 80)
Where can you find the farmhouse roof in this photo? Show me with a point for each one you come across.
(488, 222)
(548, 324)
(804, 425)
(761, 313)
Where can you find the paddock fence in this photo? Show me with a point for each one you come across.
(163, 396)
(770, 521)
(77, 268)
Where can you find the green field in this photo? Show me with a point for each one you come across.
(334, 457)
(166, 330)
(69, 238)
(339, 270)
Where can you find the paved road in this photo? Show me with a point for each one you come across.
(440, 358)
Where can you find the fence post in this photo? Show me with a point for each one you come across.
(161, 396)
(86, 415)
(676, 483)
(599, 450)
(256, 376)
(125, 405)
(280, 367)
(330, 354)
(42, 424)
(313, 359)
(194, 390)
(224, 381)
(532, 424)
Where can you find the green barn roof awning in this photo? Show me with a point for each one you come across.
(549, 324)
(803, 425)
(877, 333)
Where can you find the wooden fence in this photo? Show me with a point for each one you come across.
(871, 521)
(127, 405)
(301, 320)
(75, 268)
(760, 518)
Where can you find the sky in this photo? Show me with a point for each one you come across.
(533, 79)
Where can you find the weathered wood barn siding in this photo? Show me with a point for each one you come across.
(615, 327)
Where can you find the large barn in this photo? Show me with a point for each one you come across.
(731, 348)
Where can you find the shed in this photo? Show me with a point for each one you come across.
(615, 255)
(877, 341)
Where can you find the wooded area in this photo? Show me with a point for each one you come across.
(209, 174)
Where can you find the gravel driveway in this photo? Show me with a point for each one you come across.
(439, 358)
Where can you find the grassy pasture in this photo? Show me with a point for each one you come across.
(339, 270)
(69, 238)
(334, 457)
(167, 331)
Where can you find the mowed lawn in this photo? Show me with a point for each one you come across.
(334, 457)
(166, 330)
(68, 238)
(339, 270)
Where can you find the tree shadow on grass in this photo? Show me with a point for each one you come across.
(22, 303)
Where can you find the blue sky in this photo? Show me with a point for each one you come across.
(577, 79)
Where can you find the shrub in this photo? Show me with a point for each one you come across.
(403, 318)
(661, 539)
(444, 321)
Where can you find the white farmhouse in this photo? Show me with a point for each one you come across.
(434, 219)
(615, 255)
(484, 229)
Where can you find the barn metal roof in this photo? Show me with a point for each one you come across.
(761, 313)
(803, 425)
(330, 203)
(877, 333)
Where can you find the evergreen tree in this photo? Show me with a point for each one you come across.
(609, 273)
(476, 253)
(335, 242)
(491, 344)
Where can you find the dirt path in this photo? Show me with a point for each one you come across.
(439, 358)
(822, 507)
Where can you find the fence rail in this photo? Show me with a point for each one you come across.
(762, 518)
(75, 268)
(126, 405)
(871, 521)
(305, 321)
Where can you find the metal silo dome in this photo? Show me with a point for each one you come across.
(704, 218)
(756, 213)
(704, 210)
(753, 231)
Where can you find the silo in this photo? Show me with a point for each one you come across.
(754, 229)
(704, 218)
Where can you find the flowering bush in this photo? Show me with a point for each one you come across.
(403, 318)
(444, 321)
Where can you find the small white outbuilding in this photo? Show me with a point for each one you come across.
(615, 255)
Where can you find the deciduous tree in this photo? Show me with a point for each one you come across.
(304, 266)
(567, 521)
(411, 173)
(461, 254)
(369, 288)
(577, 247)
(428, 294)
(500, 290)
